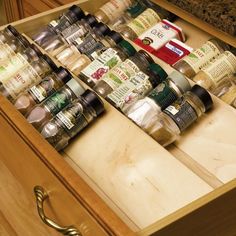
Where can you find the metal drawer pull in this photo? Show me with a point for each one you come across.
(41, 196)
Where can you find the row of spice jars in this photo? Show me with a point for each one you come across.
(212, 66)
(48, 96)
(77, 42)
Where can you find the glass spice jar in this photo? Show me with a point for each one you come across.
(145, 112)
(59, 42)
(177, 117)
(43, 112)
(39, 92)
(92, 49)
(9, 67)
(72, 119)
(106, 61)
(71, 53)
(12, 46)
(132, 12)
(144, 21)
(112, 10)
(137, 87)
(73, 14)
(212, 75)
(199, 58)
(26, 77)
(8, 33)
(122, 72)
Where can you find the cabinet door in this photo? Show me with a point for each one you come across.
(20, 171)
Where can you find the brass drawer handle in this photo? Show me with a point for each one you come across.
(41, 196)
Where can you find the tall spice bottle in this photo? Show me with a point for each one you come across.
(8, 33)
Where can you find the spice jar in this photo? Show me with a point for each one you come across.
(106, 61)
(43, 112)
(45, 88)
(72, 119)
(11, 47)
(91, 50)
(112, 10)
(8, 33)
(9, 67)
(144, 21)
(145, 112)
(196, 60)
(137, 87)
(59, 42)
(222, 67)
(132, 12)
(70, 54)
(180, 115)
(26, 77)
(73, 14)
(123, 71)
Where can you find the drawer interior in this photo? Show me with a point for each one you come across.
(139, 179)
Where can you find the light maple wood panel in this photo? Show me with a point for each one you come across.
(20, 171)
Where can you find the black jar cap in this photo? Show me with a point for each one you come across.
(101, 29)
(146, 55)
(77, 11)
(13, 30)
(90, 20)
(24, 41)
(115, 36)
(94, 101)
(50, 62)
(36, 49)
(156, 74)
(203, 95)
(63, 74)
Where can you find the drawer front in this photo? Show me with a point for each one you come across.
(20, 171)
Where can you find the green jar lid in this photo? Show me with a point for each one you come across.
(127, 47)
(159, 74)
(76, 87)
(136, 9)
(180, 81)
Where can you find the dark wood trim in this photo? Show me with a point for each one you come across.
(14, 10)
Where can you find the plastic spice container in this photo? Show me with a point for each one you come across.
(122, 72)
(39, 92)
(112, 10)
(137, 87)
(26, 77)
(145, 112)
(72, 119)
(180, 115)
(196, 60)
(106, 61)
(55, 103)
(73, 14)
(222, 67)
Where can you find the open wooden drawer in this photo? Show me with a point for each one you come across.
(127, 181)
